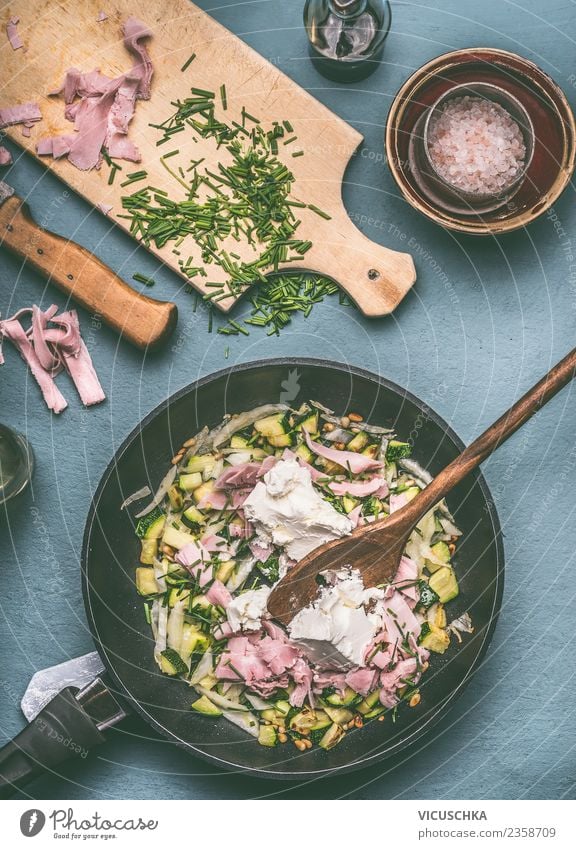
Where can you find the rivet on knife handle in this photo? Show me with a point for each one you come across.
(143, 321)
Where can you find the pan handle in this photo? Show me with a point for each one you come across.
(68, 727)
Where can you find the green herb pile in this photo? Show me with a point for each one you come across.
(248, 200)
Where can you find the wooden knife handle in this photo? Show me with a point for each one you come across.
(143, 321)
(375, 277)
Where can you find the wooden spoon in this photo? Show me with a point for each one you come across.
(375, 549)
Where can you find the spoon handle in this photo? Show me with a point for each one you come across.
(489, 441)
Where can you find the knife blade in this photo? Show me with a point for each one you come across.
(47, 683)
(143, 321)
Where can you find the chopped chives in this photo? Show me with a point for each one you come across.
(203, 93)
(319, 212)
(188, 62)
(141, 278)
(223, 97)
(297, 154)
(290, 140)
(288, 126)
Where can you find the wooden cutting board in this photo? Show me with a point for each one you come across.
(59, 34)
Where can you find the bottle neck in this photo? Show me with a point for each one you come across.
(347, 8)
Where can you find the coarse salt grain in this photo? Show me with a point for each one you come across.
(476, 145)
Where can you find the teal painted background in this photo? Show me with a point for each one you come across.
(486, 319)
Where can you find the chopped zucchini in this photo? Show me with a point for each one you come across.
(267, 735)
(239, 441)
(339, 715)
(191, 636)
(175, 498)
(283, 707)
(190, 482)
(149, 551)
(369, 702)
(332, 737)
(155, 528)
(283, 440)
(193, 517)
(348, 697)
(349, 503)
(176, 538)
(397, 450)
(225, 570)
(177, 594)
(374, 712)
(204, 706)
(371, 451)
(171, 663)
(304, 452)
(203, 463)
(442, 552)
(427, 595)
(433, 638)
(145, 581)
(208, 682)
(146, 522)
(309, 720)
(358, 442)
(444, 584)
(308, 422)
(273, 715)
(275, 425)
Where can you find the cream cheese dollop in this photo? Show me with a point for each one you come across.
(338, 617)
(287, 511)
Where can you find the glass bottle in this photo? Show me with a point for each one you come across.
(16, 463)
(347, 36)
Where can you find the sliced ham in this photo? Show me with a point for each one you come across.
(399, 619)
(5, 156)
(12, 33)
(239, 477)
(357, 464)
(405, 670)
(102, 108)
(75, 357)
(361, 680)
(21, 114)
(219, 595)
(406, 577)
(13, 330)
(359, 489)
(397, 501)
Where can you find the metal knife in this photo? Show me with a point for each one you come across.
(141, 320)
(68, 706)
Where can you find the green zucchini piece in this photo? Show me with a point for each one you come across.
(193, 517)
(427, 595)
(442, 552)
(267, 735)
(397, 450)
(433, 638)
(358, 442)
(340, 716)
(284, 440)
(304, 452)
(175, 538)
(146, 522)
(204, 706)
(349, 697)
(149, 551)
(275, 425)
(332, 737)
(171, 663)
(146, 581)
(239, 441)
(203, 463)
(190, 481)
(369, 702)
(308, 422)
(443, 582)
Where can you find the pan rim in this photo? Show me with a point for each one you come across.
(377, 755)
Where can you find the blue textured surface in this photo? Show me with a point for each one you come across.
(486, 319)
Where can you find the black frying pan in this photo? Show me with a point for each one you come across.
(110, 554)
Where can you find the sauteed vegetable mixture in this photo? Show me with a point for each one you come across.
(241, 504)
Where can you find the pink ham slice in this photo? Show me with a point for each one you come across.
(244, 475)
(219, 595)
(361, 680)
(75, 357)
(21, 114)
(359, 489)
(105, 107)
(12, 33)
(13, 330)
(406, 577)
(5, 156)
(357, 464)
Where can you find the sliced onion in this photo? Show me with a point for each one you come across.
(161, 492)
(204, 668)
(220, 701)
(247, 721)
(136, 496)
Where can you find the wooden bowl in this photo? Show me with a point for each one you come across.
(554, 156)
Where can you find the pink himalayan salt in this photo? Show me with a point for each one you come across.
(476, 145)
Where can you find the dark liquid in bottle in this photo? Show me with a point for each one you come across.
(349, 48)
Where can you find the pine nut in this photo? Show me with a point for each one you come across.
(282, 738)
(308, 744)
(358, 722)
(415, 700)
(355, 417)
(168, 550)
(176, 459)
(328, 427)
(345, 421)
(382, 718)
(300, 744)
(339, 446)
(190, 442)
(451, 548)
